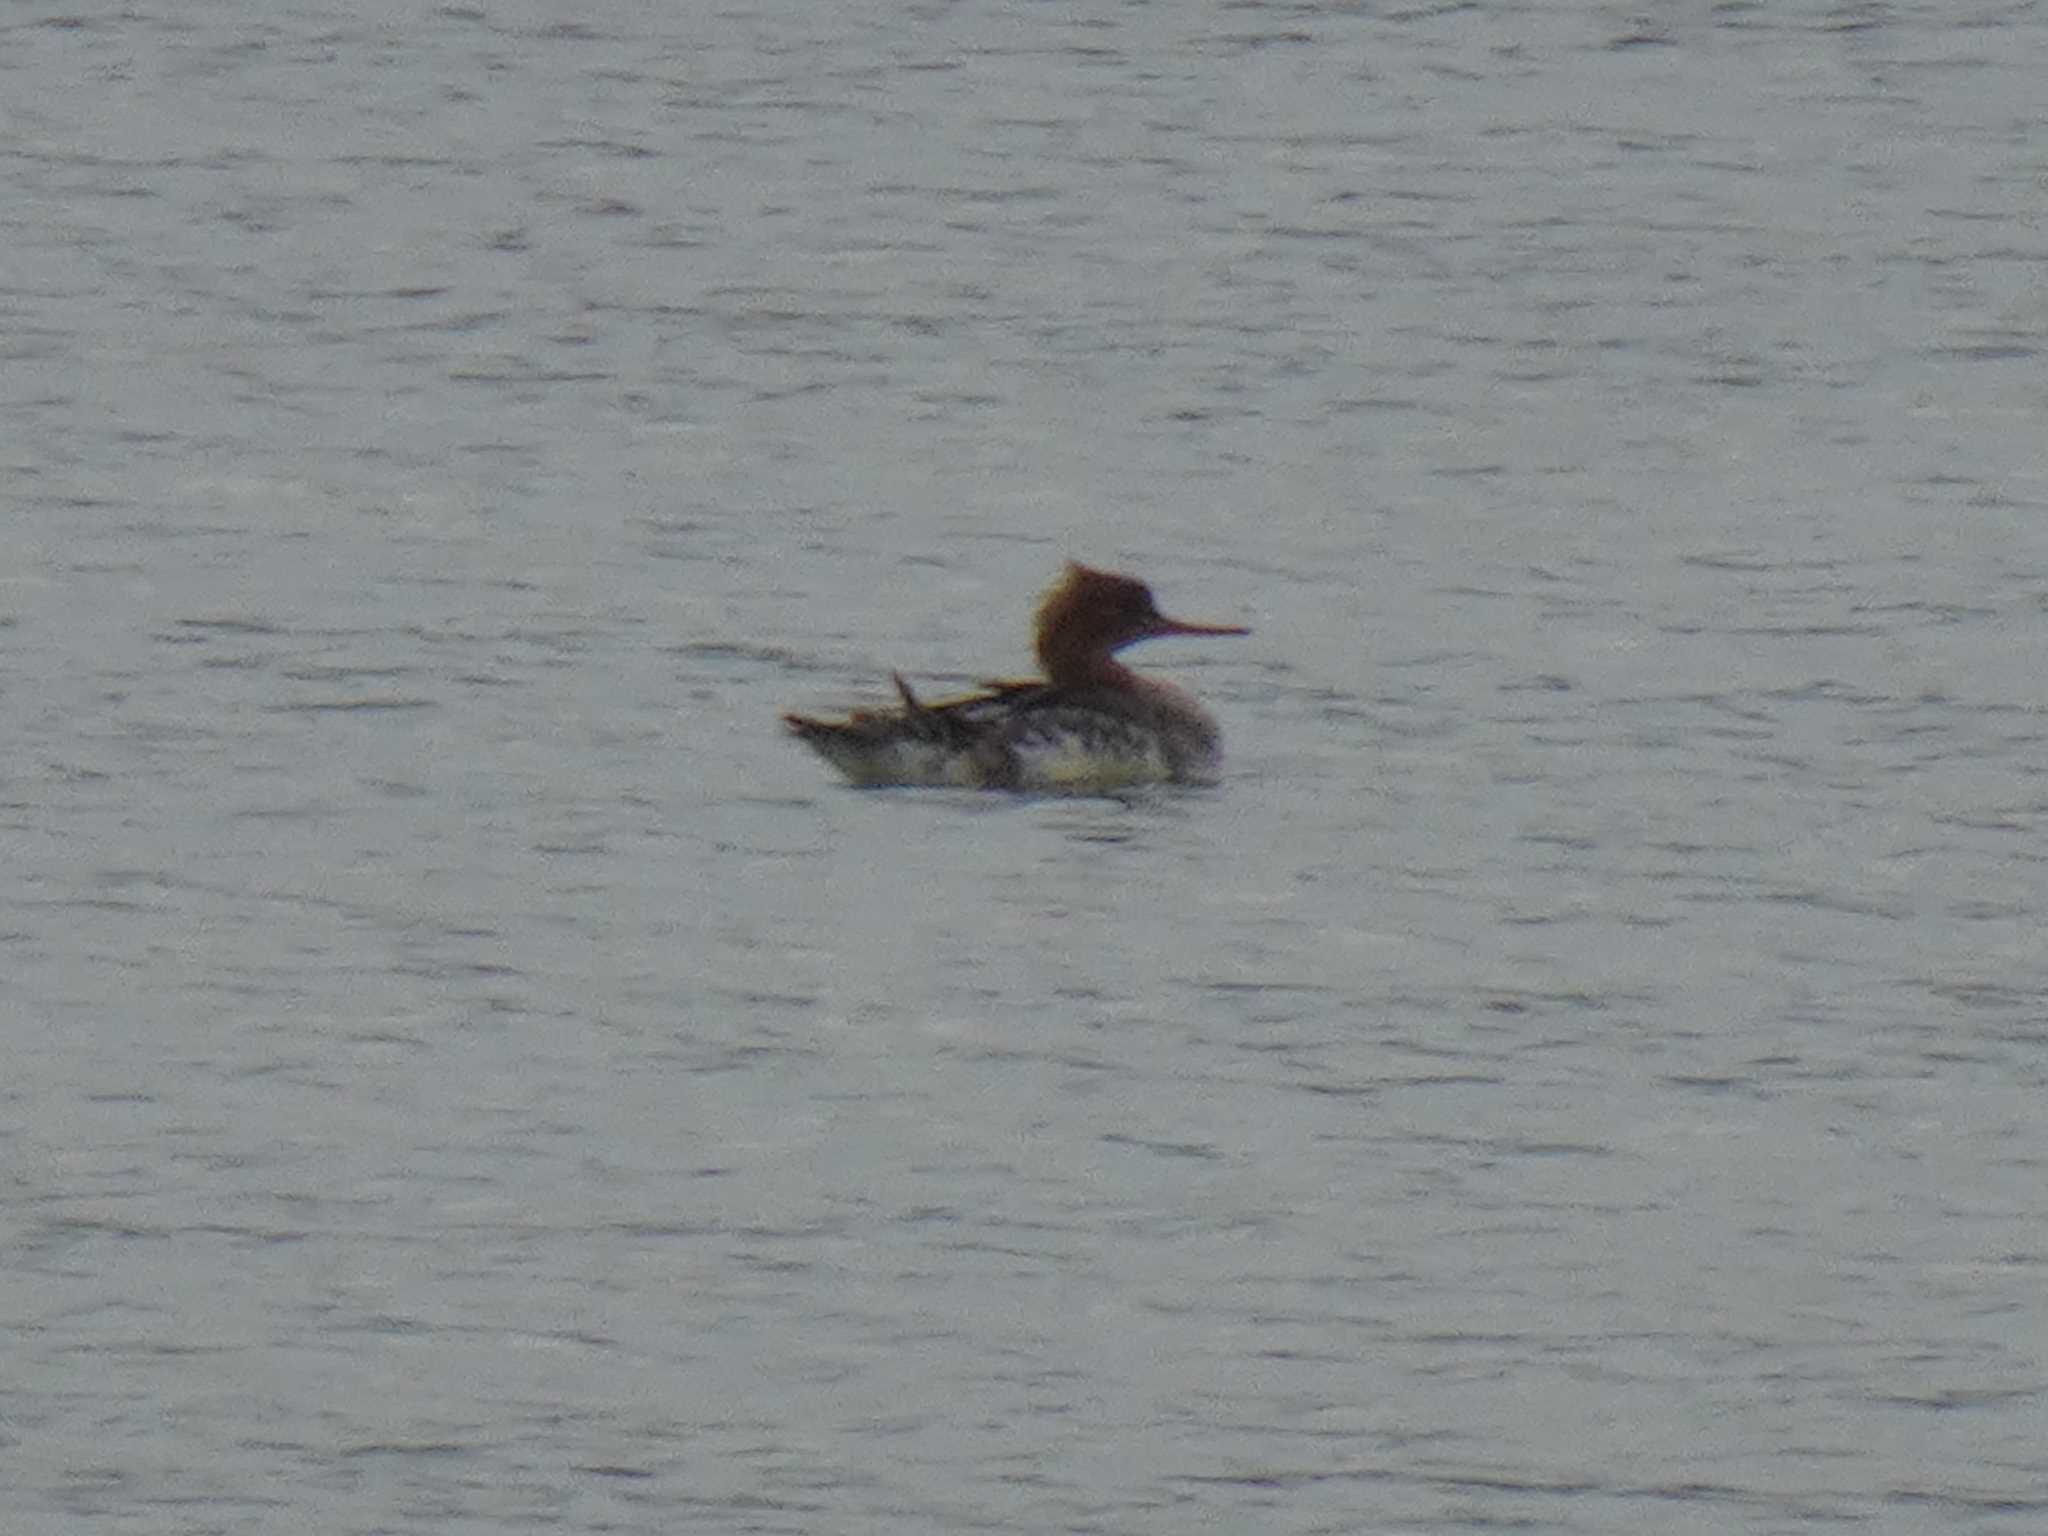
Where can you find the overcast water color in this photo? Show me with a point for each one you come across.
(1580, 1070)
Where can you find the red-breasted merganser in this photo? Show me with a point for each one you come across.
(1092, 725)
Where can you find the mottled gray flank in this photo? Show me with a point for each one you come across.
(466, 1071)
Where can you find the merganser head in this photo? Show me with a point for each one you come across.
(1088, 615)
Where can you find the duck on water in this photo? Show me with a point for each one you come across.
(1091, 724)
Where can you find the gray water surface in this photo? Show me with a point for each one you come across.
(1581, 1071)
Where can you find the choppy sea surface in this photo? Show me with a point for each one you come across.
(1581, 1071)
